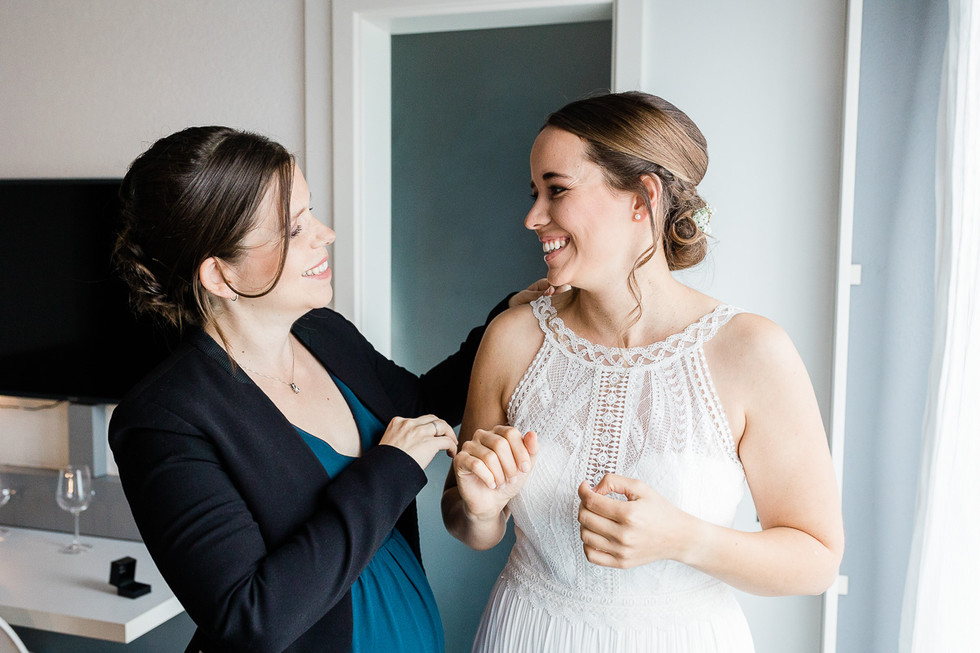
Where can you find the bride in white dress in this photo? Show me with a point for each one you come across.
(619, 422)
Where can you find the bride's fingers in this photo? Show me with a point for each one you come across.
(479, 447)
(514, 451)
(502, 450)
(595, 541)
(601, 558)
(466, 464)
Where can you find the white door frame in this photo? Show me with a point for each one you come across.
(348, 79)
(848, 274)
(361, 58)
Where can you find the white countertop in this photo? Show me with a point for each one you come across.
(42, 588)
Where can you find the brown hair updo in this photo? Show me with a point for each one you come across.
(194, 195)
(633, 134)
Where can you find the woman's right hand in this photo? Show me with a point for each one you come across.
(420, 437)
(491, 468)
(535, 290)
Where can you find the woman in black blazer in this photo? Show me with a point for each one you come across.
(269, 462)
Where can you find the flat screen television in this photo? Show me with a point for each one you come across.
(66, 327)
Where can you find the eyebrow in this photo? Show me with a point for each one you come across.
(552, 175)
(308, 203)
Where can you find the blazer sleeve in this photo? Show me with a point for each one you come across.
(441, 390)
(197, 513)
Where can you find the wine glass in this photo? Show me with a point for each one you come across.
(5, 494)
(74, 494)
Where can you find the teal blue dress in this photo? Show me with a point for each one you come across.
(394, 609)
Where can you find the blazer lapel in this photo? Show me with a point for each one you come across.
(346, 360)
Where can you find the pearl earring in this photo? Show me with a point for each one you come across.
(637, 217)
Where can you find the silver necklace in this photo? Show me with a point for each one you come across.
(291, 382)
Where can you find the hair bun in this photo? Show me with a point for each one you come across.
(191, 196)
(146, 293)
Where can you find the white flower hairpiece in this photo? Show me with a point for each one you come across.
(702, 218)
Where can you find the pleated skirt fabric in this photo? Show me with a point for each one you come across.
(512, 623)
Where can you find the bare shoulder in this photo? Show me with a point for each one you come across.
(752, 342)
(756, 367)
(509, 345)
(763, 384)
(513, 335)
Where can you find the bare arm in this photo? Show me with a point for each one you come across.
(791, 476)
(493, 459)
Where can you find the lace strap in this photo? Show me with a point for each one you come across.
(694, 335)
(544, 311)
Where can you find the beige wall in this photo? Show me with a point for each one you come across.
(86, 86)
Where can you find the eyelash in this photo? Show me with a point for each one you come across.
(299, 227)
(555, 191)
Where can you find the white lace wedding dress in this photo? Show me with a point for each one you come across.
(650, 413)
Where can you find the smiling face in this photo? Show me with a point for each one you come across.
(305, 280)
(585, 226)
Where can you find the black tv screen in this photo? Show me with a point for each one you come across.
(66, 327)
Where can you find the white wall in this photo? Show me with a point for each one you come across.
(86, 86)
(763, 79)
(771, 111)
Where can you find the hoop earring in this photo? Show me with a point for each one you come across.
(235, 298)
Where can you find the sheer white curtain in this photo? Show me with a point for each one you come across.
(941, 611)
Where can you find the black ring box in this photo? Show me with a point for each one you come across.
(122, 574)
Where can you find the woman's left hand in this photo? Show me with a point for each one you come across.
(623, 534)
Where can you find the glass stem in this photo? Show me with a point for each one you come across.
(75, 543)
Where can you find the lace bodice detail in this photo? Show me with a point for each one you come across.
(694, 335)
(650, 413)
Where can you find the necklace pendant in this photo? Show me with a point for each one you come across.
(294, 388)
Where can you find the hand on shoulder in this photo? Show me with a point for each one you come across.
(535, 290)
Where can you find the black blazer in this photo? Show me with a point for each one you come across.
(256, 541)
